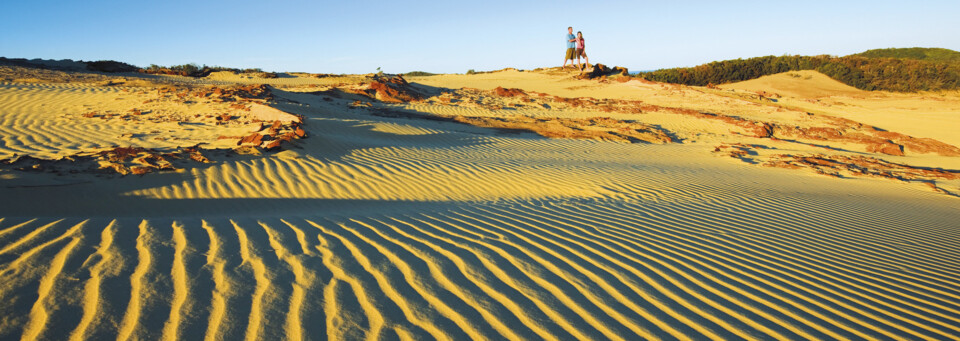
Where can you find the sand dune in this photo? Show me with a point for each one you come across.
(802, 84)
(389, 222)
(907, 113)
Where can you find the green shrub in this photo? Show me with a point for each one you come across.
(935, 54)
(192, 70)
(890, 74)
(188, 69)
(419, 74)
(111, 66)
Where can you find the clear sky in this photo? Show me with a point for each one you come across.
(452, 36)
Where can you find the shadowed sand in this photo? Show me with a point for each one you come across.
(379, 227)
(556, 270)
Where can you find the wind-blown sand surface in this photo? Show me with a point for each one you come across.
(394, 221)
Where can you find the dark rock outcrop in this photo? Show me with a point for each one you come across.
(600, 70)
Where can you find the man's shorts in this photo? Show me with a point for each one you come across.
(571, 53)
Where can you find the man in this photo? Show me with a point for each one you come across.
(571, 47)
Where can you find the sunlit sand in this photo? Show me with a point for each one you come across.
(759, 210)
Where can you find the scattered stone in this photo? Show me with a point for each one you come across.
(596, 128)
(886, 147)
(247, 150)
(384, 88)
(272, 145)
(196, 155)
(254, 139)
(842, 166)
(140, 170)
(602, 71)
(275, 128)
(509, 92)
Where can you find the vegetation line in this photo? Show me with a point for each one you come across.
(903, 70)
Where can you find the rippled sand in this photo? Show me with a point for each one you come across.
(401, 228)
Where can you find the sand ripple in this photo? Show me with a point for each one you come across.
(395, 228)
(576, 269)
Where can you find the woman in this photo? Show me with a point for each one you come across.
(580, 51)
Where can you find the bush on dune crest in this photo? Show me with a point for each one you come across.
(111, 66)
(933, 54)
(419, 74)
(891, 74)
(182, 70)
(194, 70)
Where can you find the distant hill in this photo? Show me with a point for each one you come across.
(904, 74)
(919, 53)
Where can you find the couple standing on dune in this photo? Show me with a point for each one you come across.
(575, 48)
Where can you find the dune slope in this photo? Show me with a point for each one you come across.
(388, 223)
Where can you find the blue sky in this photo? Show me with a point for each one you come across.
(448, 36)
